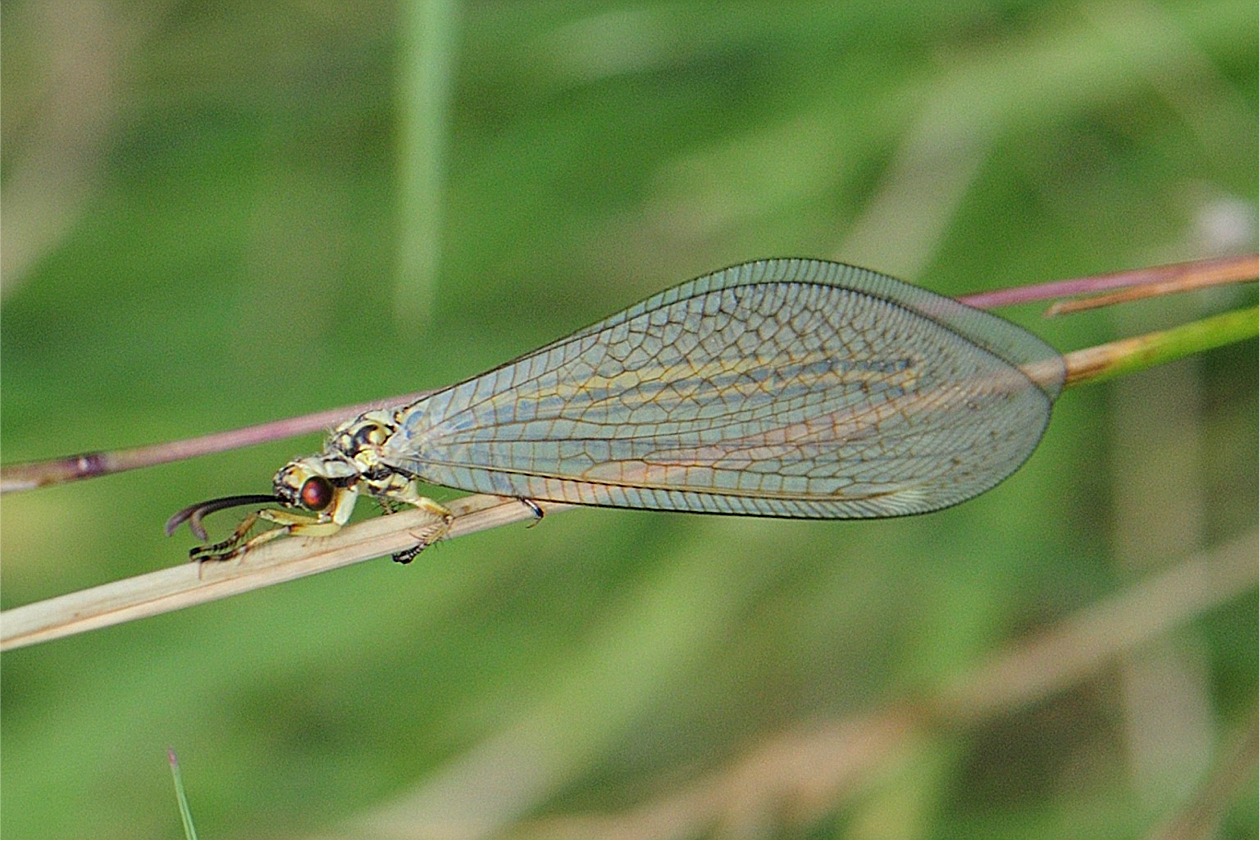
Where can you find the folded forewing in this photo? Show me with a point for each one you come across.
(789, 388)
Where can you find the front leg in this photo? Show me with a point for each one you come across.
(289, 522)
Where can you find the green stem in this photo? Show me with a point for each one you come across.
(426, 67)
(1103, 362)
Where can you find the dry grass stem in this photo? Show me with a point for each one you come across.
(1164, 280)
(282, 560)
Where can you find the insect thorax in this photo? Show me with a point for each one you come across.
(360, 443)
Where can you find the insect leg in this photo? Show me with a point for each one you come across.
(534, 508)
(431, 534)
(289, 522)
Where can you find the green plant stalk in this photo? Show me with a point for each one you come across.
(426, 60)
(185, 814)
(1125, 356)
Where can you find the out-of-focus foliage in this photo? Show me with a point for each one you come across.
(202, 230)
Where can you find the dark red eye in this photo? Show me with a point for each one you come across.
(317, 493)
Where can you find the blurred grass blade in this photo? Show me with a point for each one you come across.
(1204, 814)
(185, 814)
(819, 765)
(1125, 356)
(426, 59)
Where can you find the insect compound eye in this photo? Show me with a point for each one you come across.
(316, 494)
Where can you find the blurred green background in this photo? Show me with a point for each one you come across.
(216, 214)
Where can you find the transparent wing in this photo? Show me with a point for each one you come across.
(787, 388)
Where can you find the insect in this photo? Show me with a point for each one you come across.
(775, 388)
